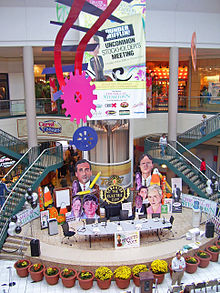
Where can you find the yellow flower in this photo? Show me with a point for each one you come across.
(122, 272)
(138, 269)
(103, 273)
(159, 266)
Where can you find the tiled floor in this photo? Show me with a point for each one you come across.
(25, 285)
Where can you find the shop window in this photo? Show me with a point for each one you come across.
(4, 91)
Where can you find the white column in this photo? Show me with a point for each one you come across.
(131, 147)
(173, 93)
(28, 63)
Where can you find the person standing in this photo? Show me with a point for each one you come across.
(204, 124)
(203, 166)
(163, 144)
(3, 189)
(178, 266)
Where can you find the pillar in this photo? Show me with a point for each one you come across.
(173, 93)
(28, 63)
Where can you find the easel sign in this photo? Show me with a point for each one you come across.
(62, 195)
(44, 217)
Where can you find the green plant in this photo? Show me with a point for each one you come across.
(22, 264)
(159, 266)
(66, 273)
(36, 267)
(190, 259)
(103, 273)
(213, 248)
(51, 271)
(122, 272)
(202, 254)
(138, 269)
(85, 275)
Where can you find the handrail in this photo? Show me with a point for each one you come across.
(18, 162)
(198, 159)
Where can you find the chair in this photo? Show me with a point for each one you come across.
(155, 215)
(114, 219)
(90, 221)
(171, 222)
(123, 215)
(102, 220)
(67, 233)
(144, 216)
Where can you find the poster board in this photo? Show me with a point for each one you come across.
(44, 217)
(127, 239)
(62, 195)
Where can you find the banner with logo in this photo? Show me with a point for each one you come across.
(28, 215)
(50, 128)
(207, 206)
(127, 239)
(120, 100)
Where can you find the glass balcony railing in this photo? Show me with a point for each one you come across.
(202, 104)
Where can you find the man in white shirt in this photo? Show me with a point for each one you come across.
(163, 144)
(178, 266)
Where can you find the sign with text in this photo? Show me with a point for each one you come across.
(28, 215)
(207, 206)
(127, 239)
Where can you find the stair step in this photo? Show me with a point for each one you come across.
(197, 182)
(18, 241)
(10, 257)
(189, 175)
(186, 171)
(13, 246)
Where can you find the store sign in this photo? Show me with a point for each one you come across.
(6, 162)
(127, 239)
(28, 215)
(205, 205)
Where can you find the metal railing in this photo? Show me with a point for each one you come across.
(194, 133)
(153, 148)
(196, 161)
(47, 158)
(12, 143)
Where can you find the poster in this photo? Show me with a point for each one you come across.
(127, 239)
(44, 217)
(207, 206)
(176, 195)
(28, 215)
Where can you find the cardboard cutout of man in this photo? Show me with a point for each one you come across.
(90, 207)
(83, 172)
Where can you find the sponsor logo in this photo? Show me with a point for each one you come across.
(50, 127)
(124, 112)
(110, 112)
(139, 112)
(99, 106)
(138, 105)
(113, 105)
(124, 104)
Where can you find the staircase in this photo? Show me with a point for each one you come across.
(182, 165)
(193, 137)
(11, 146)
(39, 165)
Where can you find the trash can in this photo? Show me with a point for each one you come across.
(35, 247)
(209, 230)
(52, 226)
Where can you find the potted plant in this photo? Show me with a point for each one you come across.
(104, 277)
(21, 267)
(214, 251)
(122, 276)
(204, 258)
(136, 270)
(85, 279)
(68, 277)
(159, 268)
(192, 263)
(217, 243)
(51, 275)
(36, 271)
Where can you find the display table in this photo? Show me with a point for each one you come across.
(110, 228)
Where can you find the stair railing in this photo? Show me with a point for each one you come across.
(197, 161)
(153, 148)
(11, 142)
(213, 124)
(48, 157)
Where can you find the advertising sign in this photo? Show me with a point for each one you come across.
(177, 195)
(205, 205)
(28, 215)
(127, 239)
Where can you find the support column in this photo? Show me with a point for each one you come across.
(28, 63)
(173, 93)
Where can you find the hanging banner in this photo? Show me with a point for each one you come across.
(207, 206)
(176, 195)
(53, 90)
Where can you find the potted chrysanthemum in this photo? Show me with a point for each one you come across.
(122, 276)
(136, 270)
(204, 257)
(159, 268)
(68, 277)
(214, 251)
(103, 276)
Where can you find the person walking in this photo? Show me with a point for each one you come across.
(163, 144)
(203, 166)
(204, 124)
(178, 266)
(3, 189)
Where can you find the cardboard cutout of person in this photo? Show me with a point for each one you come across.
(90, 207)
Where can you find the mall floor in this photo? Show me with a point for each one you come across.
(26, 285)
